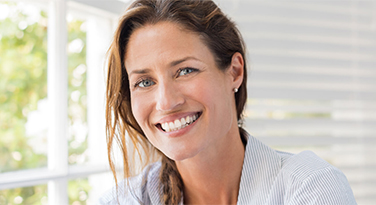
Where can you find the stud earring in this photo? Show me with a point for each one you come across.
(236, 90)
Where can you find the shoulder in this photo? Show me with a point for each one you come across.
(302, 164)
(135, 190)
(311, 180)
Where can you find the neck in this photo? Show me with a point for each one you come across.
(213, 177)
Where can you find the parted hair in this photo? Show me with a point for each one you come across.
(217, 32)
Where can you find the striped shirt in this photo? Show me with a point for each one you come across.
(268, 177)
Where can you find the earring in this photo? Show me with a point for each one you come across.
(236, 90)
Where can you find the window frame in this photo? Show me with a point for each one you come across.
(58, 172)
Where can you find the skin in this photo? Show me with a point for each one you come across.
(172, 74)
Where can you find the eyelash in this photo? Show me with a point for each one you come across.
(137, 84)
(181, 69)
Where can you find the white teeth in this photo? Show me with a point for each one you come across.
(172, 126)
(166, 127)
(179, 124)
(187, 120)
(182, 121)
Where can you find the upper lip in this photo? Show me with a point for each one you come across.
(173, 117)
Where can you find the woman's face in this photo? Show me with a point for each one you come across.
(184, 104)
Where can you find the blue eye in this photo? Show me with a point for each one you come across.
(185, 71)
(145, 83)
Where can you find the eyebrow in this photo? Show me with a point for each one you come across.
(142, 71)
(173, 63)
(177, 62)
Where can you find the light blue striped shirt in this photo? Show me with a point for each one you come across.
(268, 177)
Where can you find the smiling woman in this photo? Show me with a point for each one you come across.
(182, 85)
(176, 89)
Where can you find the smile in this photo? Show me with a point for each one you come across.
(179, 123)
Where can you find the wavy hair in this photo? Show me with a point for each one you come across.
(219, 34)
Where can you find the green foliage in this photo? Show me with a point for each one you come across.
(23, 84)
(25, 195)
(78, 191)
(23, 74)
(77, 91)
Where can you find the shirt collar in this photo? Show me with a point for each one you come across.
(260, 167)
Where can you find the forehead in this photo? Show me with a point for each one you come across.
(163, 42)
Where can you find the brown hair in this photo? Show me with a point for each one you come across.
(218, 33)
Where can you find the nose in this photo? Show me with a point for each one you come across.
(168, 97)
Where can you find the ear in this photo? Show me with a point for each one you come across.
(236, 70)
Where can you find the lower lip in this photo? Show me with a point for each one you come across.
(180, 132)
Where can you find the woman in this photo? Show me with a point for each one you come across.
(176, 90)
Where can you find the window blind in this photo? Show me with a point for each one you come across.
(312, 81)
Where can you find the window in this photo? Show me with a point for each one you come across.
(23, 86)
(25, 195)
(52, 101)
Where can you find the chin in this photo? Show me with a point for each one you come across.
(179, 155)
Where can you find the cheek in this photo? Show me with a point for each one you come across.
(142, 108)
(209, 91)
(139, 109)
(212, 95)
(216, 98)
(199, 91)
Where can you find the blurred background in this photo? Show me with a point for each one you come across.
(312, 86)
